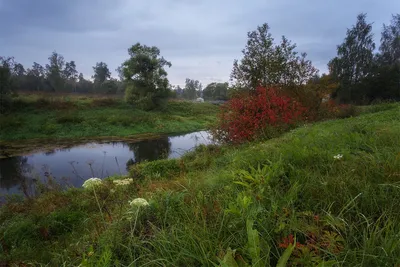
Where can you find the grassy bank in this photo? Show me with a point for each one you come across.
(60, 117)
(333, 187)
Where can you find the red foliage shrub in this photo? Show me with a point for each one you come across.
(245, 117)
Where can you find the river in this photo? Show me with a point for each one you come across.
(71, 166)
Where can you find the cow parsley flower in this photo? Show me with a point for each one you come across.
(338, 156)
(139, 202)
(92, 183)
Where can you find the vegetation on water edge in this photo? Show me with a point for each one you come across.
(320, 195)
(35, 116)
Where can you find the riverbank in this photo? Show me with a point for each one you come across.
(48, 119)
(332, 186)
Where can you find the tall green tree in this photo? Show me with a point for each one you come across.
(70, 72)
(83, 85)
(70, 75)
(266, 64)
(354, 60)
(54, 72)
(101, 73)
(216, 91)
(146, 76)
(384, 81)
(192, 89)
(6, 84)
(35, 77)
(390, 42)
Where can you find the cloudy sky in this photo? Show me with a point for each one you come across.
(200, 38)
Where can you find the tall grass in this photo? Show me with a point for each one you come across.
(286, 201)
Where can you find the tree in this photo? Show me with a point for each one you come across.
(35, 77)
(146, 77)
(179, 91)
(354, 60)
(54, 71)
(6, 86)
(101, 73)
(192, 87)
(109, 86)
(70, 72)
(216, 91)
(384, 80)
(120, 73)
(266, 64)
(83, 85)
(70, 75)
(390, 42)
(18, 70)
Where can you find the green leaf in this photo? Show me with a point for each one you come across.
(229, 259)
(253, 244)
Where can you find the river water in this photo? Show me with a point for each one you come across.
(71, 166)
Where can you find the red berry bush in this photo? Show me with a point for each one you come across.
(246, 117)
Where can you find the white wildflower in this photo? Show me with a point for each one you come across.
(139, 202)
(92, 183)
(338, 156)
(123, 181)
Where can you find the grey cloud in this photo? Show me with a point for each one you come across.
(57, 15)
(200, 38)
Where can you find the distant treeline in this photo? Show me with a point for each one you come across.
(357, 75)
(60, 76)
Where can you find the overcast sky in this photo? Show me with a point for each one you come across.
(200, 38)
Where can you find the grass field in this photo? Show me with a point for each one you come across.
(333, 187)
(73, 117)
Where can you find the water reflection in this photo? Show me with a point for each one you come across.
(151, 149)
(73, 165)
(16, 175)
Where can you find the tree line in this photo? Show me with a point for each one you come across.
(142, 78)
(58, 75)
(358, 74)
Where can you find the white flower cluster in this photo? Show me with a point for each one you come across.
(126, 181)
(338, 156)
(92, 183)
(139, 202)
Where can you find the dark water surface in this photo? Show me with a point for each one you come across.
(71, 166)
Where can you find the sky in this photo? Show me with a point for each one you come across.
(200, 38)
